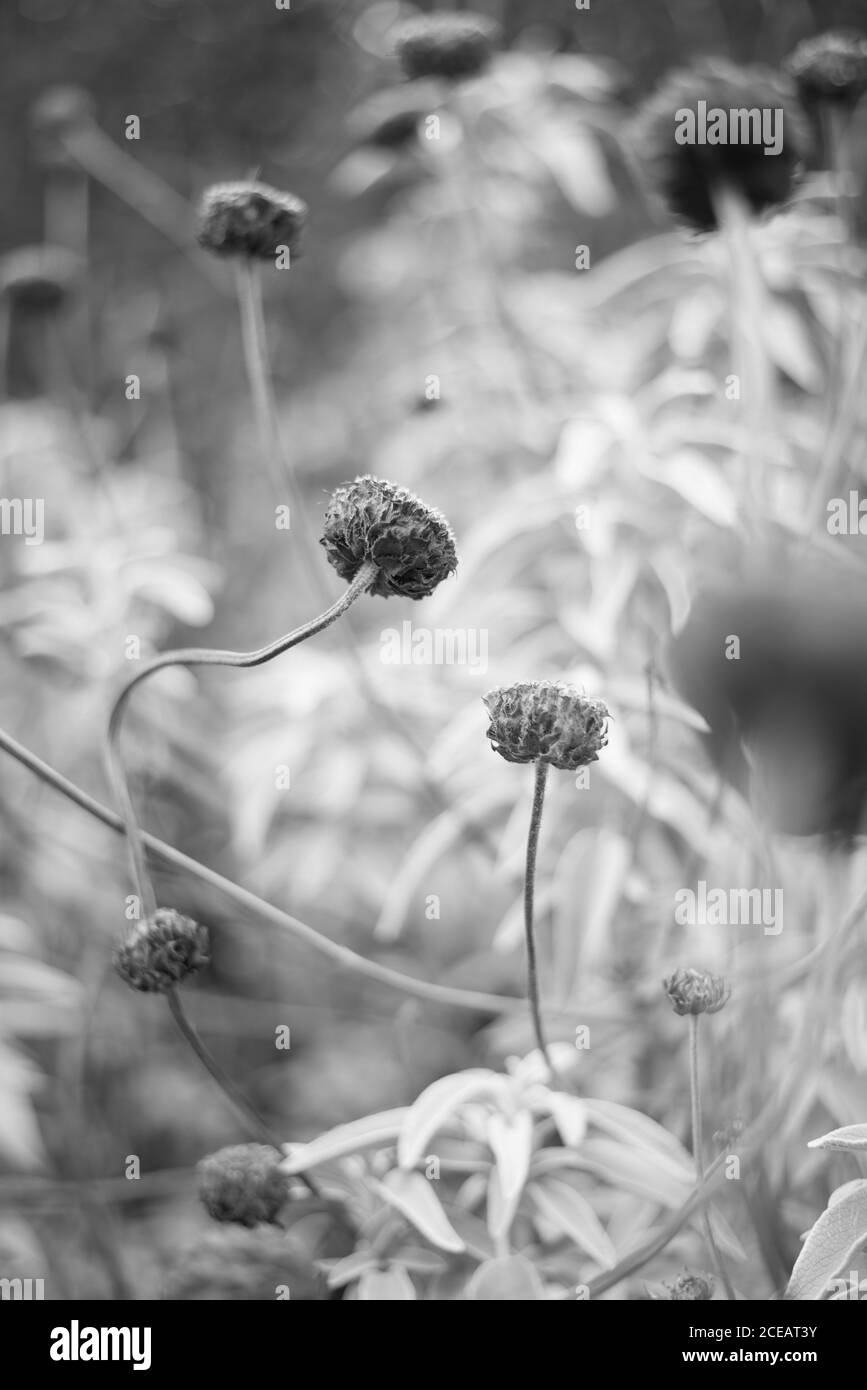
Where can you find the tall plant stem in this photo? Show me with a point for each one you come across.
(201, 656)
(697, 1152)
(539, 784)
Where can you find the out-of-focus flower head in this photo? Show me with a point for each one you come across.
(831, 67)
(249, 219)
(445, 44)
(40, 279)
(692, 175)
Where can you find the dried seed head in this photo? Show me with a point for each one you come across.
(243, 1183)
(445, 45)
(390, 119)
(59, 114)
(692, 1287)
(410, 543)
(40, 279)
(696, 991)
(831, 67)
(690, 177)
(249, 219)
(546, 720)
(162, 951)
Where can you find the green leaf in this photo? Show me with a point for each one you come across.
(573, 1215)
(413, 1196)
(837, 1236)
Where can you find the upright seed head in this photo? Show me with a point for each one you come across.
(691, 175)
(696, 991)
(445, 45)
(830, 68)
(162, 951)
(411, 544)
(249, 219)
(546, 720)
(243, 1183)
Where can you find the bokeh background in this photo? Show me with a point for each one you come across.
(437, 332)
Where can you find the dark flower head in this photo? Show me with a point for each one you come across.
(59, 114)
(445, 45)
(692, 176)
(410, 543)
(40, 278)
(162, 951)
(831, 67)
(696, 992)
(692, 1287)
(546, 720)
(249, 219)
(777, 666)
(243, 1183)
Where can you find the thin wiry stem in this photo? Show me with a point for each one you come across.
(697, 1152)
(342, 956)
(200, 656)
(539, 784)
(225, 1083)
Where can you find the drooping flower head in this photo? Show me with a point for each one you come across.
(162, 951)
(243, 1183)
(546, 720)
(410, 543)
(696, 991)
(691, 158)
(445, 45)
(831, 67)
(249, 219)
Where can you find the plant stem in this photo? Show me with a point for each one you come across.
(474, 1000)
(695, 1099)
(200, 656)
(225, 1083)
(539, 784)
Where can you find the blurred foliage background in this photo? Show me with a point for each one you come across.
(554, 388)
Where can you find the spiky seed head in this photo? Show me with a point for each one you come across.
(546, 720)
(696, 991)
(410, 543)
(162, 951)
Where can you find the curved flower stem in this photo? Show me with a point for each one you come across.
(225, 1083)
(540, 782)
(695, 1104)
(200, 656)
(478, 1002)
